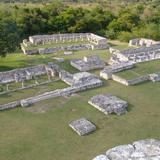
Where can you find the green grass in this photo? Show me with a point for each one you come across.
(27, 133)
(141, 69)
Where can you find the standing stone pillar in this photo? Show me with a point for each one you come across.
(22, 84)
(7, 87)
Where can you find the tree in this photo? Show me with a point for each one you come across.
(9, 38)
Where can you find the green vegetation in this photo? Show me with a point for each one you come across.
(141, 69)
(42, 130)
(115, 20)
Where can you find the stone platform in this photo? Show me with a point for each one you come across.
(108, 104)
(82, 126)
(88, 63)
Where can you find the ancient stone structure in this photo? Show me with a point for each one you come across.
(82, 126)
(18, 75)
(148, 149)
(143, 42)
(89, 41)
(88, 63)
(108, 71)
(24, 74)
(78, 81)
(108, 104)
(136, 55)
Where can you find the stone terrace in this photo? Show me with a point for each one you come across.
(88, 63)
(109, 104)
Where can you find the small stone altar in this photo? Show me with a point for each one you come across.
(82, 126)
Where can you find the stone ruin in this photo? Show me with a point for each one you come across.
(148, 149)
(88, 63)
(89, 41)
(108, 71)
(29, 73)
(82, 126)
(78, 82)
(142, 42)
(136, 55)
(108, 104)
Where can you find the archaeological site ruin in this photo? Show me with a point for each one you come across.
(108, 104)
(88, 63)
(63, 42)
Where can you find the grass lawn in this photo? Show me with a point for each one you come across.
(141, 69)
(42, 132)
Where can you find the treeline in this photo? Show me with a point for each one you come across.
(17, 23)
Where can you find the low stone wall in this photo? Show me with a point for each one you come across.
(56, 49)
(134, 81)
(120, 80)
(58, 93)
(9, 105)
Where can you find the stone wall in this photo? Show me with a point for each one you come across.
(9, 105)
(142, 42)
(134, 81)
(92, 41)
(137, 55)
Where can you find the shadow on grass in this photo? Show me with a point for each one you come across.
(5, 68)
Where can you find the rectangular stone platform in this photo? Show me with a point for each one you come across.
(108, 104)
(88, 63)
(82, 126)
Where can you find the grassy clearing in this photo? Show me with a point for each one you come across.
(28, 133)
(141, 69)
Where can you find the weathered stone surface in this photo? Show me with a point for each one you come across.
(109, 104)
(82, 126)
(120, 152)
(101, 157)
(10, 105)
(88, 63)
(148, 149)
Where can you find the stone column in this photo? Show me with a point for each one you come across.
(7, 87)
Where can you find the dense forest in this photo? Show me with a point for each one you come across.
(121, 21)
